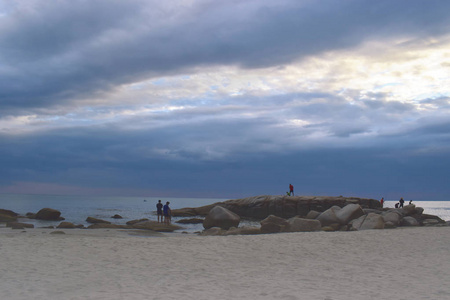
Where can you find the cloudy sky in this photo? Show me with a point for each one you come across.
(228, 99)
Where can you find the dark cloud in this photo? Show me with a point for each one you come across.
(54, 51)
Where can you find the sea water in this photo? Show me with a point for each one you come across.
(76, 209)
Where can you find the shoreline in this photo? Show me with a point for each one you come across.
(402, 263)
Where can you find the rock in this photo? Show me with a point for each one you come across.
(18, 225)
(107, 225)
(8, 213)
(409, 221)
(132, 222)
(260, 207)
(57, 232)
(389, 225)
(392, 217)
(116, 216)
(96, 221)
(247, 230)
(67, 225)
(49, 214)
(419, 211)
(430, 222)
(156, 226)
(409, 209)
(274, 224)
(299, 225)
(221, 217)
(329, 216)
(190, 221)
(7, 218)
(328, 228)
(348, 213)
(213, 231)
(312, 214)
(30, 215)
(371, 221)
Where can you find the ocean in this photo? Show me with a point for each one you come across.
(76, 209)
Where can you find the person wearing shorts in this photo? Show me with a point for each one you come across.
(159, 211)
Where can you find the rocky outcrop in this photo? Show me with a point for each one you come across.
(260, 207)
(68, 225)
(8, 213)
(96, 221)
(370, 221)
(7, 218)
(156, 226)
(19, 225)
(132, 222)
(116, 216)
(221, 217)
(49, 214)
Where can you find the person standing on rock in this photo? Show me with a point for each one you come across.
(382, 202)
(167, 213)
(401, 202)
(291, 190)
(159, 211)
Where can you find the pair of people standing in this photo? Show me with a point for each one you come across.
(164, 212)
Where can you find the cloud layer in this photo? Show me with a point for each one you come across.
(225, 99)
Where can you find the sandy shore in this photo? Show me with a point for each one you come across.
(407, 263)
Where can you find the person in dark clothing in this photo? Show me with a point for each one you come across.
(167, 213)
(159, 211)
(396, 205)
(410, 201)
(401, 202)
(291, 190)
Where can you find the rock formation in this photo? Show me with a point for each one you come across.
(260, 207)
(49, 214)
(221, 217)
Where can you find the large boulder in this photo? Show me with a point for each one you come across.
(96, 221)
(348, 213)
(392, 217)
(329, 216)
(312, 214)
(274, 224)
(221, 217)
(67, 225)
(49, 214)
(370, 221)
(297, 224)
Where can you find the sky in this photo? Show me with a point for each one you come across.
(225, 99)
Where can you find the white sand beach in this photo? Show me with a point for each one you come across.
(404, 263)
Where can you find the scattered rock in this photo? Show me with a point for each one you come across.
(156, 226)
(132, 222)
(213, 231)
(190, 221)
(67, 225)
(57, 232)
(96, 221)
(107, 225)
(18, 225)
(116, 216)
(49, 214)
(221, 217)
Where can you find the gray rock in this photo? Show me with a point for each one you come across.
(297, 224)
(7, 218)
(329, 216)
(221, 217)
(18, 225)
(132, 222)
(312, 214)
(213, 231)
(409, 221)
(371, 221)
(274, 224)
(67, 225)
(348, 213)
(430, 222)
(392, 217)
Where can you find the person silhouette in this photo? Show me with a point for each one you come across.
(159, 211)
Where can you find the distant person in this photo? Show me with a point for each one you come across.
(291, 190)
(410, 201)
(159, 211)
(401, 202)
(396, 205)
(382, 202)
(167, 213)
